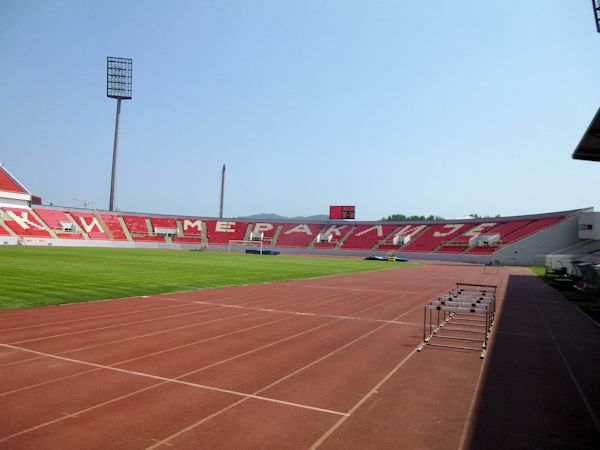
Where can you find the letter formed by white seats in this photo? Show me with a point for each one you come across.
(480, 229)
(261, 227)
(24, 221)
(378, 228)
(410, 230)
(190, 225)
(225, 227)
(335, 229)
(452, 227)
(302, 228)
(90, 226)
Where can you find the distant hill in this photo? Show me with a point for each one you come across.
(272, 216)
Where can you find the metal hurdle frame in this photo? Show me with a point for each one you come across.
(471, 307)
(476, 289)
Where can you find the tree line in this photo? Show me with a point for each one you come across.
(416, 218)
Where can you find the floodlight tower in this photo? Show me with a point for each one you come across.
(596, 6)
(118, 86)
(222, 192)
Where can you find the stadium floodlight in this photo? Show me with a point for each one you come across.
(596, 6)
(118, 86)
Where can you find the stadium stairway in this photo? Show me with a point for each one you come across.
(276, 235)
(125, 229)
(345, 238)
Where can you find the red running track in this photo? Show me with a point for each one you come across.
(321, 363)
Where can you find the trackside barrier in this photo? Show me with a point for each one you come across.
(466, 314)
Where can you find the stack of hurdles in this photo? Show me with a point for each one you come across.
(463, 316)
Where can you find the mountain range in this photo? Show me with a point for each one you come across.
(272, 216)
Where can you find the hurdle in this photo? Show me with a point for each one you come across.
(476, 289)
(466, 314)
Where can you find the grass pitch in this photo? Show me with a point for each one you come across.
(36, 276)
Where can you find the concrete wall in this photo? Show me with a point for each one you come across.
(466, 258)
(9, 240)
(14, 202)
(98, 243)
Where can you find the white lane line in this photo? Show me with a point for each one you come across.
(312, 363)
(81, 411)
(103, 316)
(362, 400)
(300, 313)
(178, 381)
(153, 386)
(243, 399)
(147, 354)
(584, 398)
(367, 396)
(53, 310)
(155, 319)
(132, 338)
(167, 350)
(271, 322)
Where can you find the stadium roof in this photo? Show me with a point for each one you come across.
(589, 145)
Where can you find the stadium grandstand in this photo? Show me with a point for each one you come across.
(518, 240)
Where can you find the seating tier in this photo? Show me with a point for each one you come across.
(114, 226)
(136, 224)
(23, 223)
(435, 236)
(297, 234)
(90, 224)
(343, 230)
(533, 227)
(163, 222)
(364, 237)
(220, 232)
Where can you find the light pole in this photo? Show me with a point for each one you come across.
(118, 86)
(222, 192)
(596, 6)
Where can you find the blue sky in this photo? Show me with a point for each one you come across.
(447, 107)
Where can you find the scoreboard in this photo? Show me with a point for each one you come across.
(342, 212)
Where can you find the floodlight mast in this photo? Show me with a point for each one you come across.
(596, 6)
(222, 192)
(118, 86)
